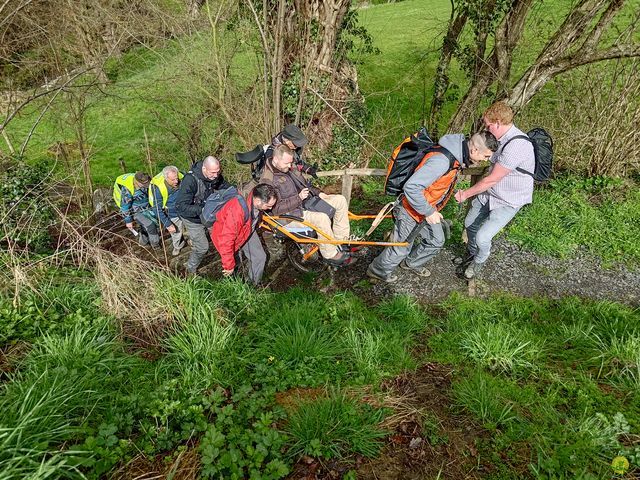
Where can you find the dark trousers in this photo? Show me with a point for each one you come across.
(254, 253)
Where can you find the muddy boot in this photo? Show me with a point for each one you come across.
(143, 239)
(473, 270)
(390, 279)
(421, 272)
(463, 261)
(176, 251)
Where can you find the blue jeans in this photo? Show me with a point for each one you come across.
(483, 224)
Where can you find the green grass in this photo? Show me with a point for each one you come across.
(558, 399)
(599, 215)
(555, 382)
(149, 90)
(335, 426)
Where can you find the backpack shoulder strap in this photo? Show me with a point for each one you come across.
(444, 151)
(245, 208)
(522, 137)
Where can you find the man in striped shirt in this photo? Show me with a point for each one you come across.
(501, 194)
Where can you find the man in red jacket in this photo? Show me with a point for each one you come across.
(235, 230)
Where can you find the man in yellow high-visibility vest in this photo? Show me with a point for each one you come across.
(131, 194)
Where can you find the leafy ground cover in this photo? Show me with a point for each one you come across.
(246, 384)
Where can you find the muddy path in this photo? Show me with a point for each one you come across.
(509, 269)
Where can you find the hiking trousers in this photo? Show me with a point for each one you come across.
(254, 253)
(483, 224)
(199, 244)
(338, 229)
(416, 255)
(148, 230)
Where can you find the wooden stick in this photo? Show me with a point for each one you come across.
(347, 185)
(365, 172)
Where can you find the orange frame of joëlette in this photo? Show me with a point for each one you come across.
(274, 223)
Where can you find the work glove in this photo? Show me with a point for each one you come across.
(311, 170)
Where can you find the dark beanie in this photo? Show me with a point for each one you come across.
(293, 133)
(142, 178)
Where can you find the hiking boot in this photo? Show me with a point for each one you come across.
(421, 272)
(463, 261)
(390, 279)
(473, 270)
(176, 250)
(342, 259)
(143, 240)
(188, 272)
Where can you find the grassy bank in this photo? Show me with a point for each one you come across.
(246, 381)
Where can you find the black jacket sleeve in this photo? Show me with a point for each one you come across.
(185, 196)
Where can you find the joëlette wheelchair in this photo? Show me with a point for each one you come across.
(301, 238)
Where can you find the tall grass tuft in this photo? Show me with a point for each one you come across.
(335, 426)
(365, 347)
(403, 314)
(33, 421)
(200, 335)
(501, 347)
(298, 337)
(196, 347)
(481, 394)
(620, 359)
(128, 289)
(65, 380)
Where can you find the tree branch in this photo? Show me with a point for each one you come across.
(616, 51)
(606, 18)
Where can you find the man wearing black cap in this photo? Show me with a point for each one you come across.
(292, 137)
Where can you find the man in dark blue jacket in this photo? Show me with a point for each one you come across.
(203, 178)
(163, 192)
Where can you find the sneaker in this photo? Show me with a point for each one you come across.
(473, 270)
(342, 259)
(390, 279)
(421, 272)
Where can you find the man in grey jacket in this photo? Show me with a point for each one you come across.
(424, 194)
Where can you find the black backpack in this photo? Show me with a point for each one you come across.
(407, 156)
(543, 152)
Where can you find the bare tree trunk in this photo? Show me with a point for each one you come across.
(288, 43)
(457, 21)
(497, 67)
